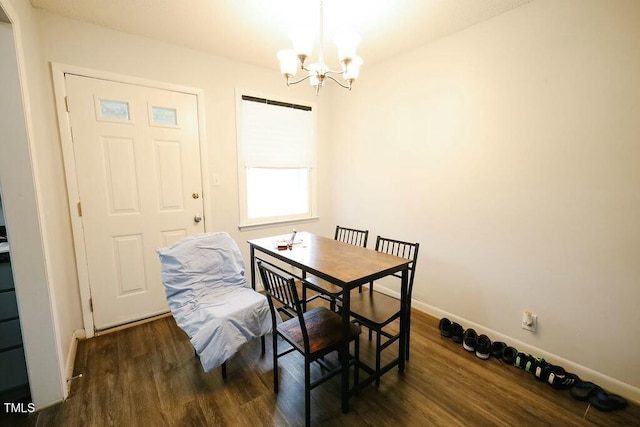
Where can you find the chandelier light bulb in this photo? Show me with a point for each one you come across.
(302, 40)
(347, 42)
(288, 62)
(352, 69)
(314, 80)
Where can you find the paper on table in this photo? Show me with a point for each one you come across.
(284, 244)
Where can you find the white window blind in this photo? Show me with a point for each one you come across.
(276, 158)
(276, 136)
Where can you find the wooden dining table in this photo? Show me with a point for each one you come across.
(343, 265)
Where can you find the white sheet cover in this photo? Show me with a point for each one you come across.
(209, 297)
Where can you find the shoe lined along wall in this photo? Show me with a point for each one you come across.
(556, 376)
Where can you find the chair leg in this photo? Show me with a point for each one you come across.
(406, 351)
(262, 345)
(275, 362)
(356, 366)
(224, 370)
(378, 354)
(307, 392)
(407, 340)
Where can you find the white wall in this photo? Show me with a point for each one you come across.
(21, 206)
(510, 152)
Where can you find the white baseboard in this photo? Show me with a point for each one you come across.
(78, 334)
(610, 384)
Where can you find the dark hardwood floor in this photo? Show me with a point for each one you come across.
(148, 375)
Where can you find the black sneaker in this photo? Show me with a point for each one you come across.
(483, 347)
(547, 370)
(497, 348)
(533, 363)
(445, 327)
(563, 381)
(538, 370)
(607, 401)
(509, 355)
(456, 332)
(521, 360)
(469, 340)
(584, 390)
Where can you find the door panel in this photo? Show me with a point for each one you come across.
(168, 171)
(120, 179)
(137, 157)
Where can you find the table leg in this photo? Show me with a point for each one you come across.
(403, 319)
(344, 354)
(252, 260)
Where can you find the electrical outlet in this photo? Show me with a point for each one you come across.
(529, 321)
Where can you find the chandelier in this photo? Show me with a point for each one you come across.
(318, 72)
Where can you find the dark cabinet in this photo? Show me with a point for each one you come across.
(14, 382)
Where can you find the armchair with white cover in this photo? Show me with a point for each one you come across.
(210, 299)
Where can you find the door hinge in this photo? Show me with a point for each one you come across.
(79, 209)
(66, 104)
(91, 304)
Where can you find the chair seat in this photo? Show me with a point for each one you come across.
(374, 308)
(324, 328)
(220, 321)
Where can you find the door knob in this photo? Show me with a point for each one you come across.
(197, 218)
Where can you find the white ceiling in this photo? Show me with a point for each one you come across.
(253, 31)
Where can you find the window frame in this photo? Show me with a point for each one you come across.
(244, 221)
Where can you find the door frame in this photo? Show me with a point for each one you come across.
(60, 92)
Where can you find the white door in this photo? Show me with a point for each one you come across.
(137, 157)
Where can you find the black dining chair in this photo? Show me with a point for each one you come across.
(314, 333)
(375, 310)
(352, 236)
(324, 289)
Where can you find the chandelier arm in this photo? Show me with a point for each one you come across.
(338, 81)
(327, 71)
(289, 83)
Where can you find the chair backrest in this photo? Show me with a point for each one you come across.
(200, 261)
(352, 236)
(281, 286)
(402, 249)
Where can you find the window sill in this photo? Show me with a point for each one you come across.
(268, 224)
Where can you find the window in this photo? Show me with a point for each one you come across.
(276, 159)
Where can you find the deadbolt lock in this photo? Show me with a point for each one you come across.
(195, 195)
